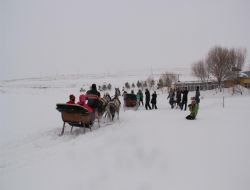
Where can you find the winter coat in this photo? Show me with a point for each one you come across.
(178, 96)
(71, 99)
(82, 103)
(153, 100)
(147, 94)
(141, 95)
(93, 98)
(71, 102)
(197, 96)
(193, 108)
(171, 96)
(185, 95)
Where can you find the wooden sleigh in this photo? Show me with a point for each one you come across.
(75, 116)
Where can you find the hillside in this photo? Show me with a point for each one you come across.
(147, 150)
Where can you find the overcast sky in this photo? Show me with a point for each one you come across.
(47, 37)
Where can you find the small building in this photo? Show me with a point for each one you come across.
(191, 85)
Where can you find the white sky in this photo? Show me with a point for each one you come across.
(47, 37)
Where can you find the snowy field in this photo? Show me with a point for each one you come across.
(143, 150)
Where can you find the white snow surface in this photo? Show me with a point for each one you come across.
(143, 150)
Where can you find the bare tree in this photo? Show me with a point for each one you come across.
(222, 61)
(109, 86)
(127, 85)
(217, 61)
(138, 84)
(200, 70)
(150, 82)
(168, 79)
(160, 84)
(104, 87)
(236, 59)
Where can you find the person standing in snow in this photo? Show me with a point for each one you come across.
(171, 96)
(141, 97)
(197, 95)
(153, 100)
(178, 98)
(184, 99)
(193, 108)
(147, 94)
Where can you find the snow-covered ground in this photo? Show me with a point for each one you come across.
(143, 150)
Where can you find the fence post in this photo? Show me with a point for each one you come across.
(223, 102)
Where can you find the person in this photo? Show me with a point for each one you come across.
(171, 96)
(141, 97)
(147, 94)
(93, 95)
(124, 94)
(82, 99)
(138, 98)
(153, 100)
(93, 100)
(197, 95)
(178, 98)
(193, 108)
(184, 99)
(71, 99)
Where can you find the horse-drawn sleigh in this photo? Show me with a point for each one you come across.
(130, 102)
(75, 115)
(78, 116)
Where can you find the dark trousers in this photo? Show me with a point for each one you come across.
(184, 103)
(147, 105)
(154, 106)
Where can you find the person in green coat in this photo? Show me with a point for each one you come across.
(193, 108)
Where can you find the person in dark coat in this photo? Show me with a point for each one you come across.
(153, 100)
(197, 95)
(147, 94)
(184, 99)
(178, 98)
(93, 97)
(171, 96)
(141, 97)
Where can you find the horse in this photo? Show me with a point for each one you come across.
(113, 107)
(103, 102)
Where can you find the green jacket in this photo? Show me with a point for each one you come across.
(194, 110)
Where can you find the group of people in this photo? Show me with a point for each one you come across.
(177, 98)
(148, 100)
(92, 96)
